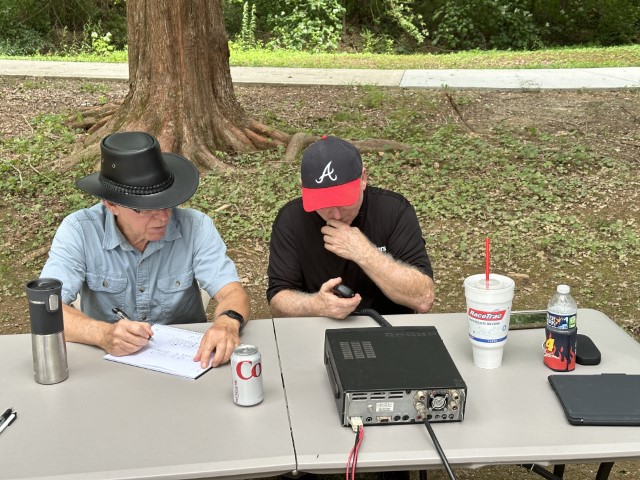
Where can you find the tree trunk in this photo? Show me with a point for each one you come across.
(180, 87)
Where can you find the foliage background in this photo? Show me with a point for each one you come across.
(380, 26)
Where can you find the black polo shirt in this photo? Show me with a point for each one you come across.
(299, 261)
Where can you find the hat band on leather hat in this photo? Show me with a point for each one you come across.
(135, 173)
(136, 190)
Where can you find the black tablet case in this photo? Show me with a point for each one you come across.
(606, 399)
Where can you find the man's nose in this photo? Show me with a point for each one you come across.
(163, 213)
(335, 214)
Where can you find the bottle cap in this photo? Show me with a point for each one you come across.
(563, 289)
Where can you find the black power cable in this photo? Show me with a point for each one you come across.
(422, 410)
(373, 314)
(445, 462)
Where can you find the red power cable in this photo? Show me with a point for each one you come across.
(353, 455)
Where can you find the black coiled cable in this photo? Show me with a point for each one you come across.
(370, 312)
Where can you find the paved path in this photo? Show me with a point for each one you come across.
(503, 79)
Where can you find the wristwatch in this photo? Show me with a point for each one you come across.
(236, 316)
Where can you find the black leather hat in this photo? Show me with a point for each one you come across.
(134, 173)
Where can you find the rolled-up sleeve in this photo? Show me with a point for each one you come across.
(213, 268)
(66, 261)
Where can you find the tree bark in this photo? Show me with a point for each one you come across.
(180, 90)
(180, 87)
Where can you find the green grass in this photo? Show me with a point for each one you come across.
(553, 182)
(559, 197)
(624, 56)
(112, 57)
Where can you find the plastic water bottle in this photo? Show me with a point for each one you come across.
(561, 331)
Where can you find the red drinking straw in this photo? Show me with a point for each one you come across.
(487, 259)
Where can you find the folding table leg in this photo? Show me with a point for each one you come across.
(558, 470)
(543, 472)
(604, 470)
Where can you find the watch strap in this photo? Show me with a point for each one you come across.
(236, 316)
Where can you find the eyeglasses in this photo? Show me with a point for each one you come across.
(148, 213)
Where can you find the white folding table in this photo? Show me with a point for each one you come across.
(512, 414)
(115, 421)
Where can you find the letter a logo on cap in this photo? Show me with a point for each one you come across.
(327, 172)
(330, 174)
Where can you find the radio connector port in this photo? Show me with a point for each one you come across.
(438, 401)
(383, 419)
(420, 396)
(355, 422)
(420, 408)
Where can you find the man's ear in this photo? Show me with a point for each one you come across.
(112, 207)
(363, 178)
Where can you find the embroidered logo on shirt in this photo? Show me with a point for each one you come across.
(382, 248)
(327, 172)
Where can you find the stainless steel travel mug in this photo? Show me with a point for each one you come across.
(47, 331)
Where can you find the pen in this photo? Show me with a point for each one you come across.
(8, 421)
(123, 316)
(5, 415)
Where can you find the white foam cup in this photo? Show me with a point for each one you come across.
(488, 313)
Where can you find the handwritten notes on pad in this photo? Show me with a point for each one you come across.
(171, 351)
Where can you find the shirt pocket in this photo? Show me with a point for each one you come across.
(176, 295)
(107, 290)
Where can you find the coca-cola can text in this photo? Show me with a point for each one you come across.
(246, 373)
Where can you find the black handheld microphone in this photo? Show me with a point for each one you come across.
(342, 291)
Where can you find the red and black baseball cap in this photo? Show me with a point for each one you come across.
(330, 173)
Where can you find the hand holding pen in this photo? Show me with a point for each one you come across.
(123, 316)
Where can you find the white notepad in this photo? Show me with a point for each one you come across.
(171, 351)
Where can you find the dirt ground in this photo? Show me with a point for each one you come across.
(19, 102)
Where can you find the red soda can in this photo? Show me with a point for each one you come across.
(246, 372)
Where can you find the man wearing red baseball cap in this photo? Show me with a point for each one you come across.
(343, 231)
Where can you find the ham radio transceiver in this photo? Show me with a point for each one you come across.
(378, 375)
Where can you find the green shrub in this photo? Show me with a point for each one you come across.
(20, 32)
(618, 22)
(65, 27)
(247, 36)
(314, 25)
(486, 24)
(29, 27)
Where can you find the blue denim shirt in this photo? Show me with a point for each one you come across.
(90, 256)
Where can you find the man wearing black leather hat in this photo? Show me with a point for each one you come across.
(138, 252)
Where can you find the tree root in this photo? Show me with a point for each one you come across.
(79, 155)
(254, 136)
(89, 117)
(301, 140)
(456, 109)
(268, 131)
(298, 142)
(261, 142)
